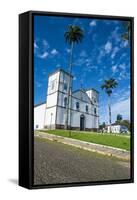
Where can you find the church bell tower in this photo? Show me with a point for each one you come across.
(57, 94)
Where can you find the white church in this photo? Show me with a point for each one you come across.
(82, 111)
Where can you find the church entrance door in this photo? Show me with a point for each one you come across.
(82, 122)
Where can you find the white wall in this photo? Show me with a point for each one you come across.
(52, 100)
(90, 120)
(39, 116)
(117, 128)
(81, 95)
(61, 113)
(75, 120)
(50, 117)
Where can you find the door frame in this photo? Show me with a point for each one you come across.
(82, 122)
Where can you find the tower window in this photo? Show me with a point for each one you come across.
(77, 105)
(65, 102)
(95, 111)
(86, 108)
(52, 85)
(65, 86)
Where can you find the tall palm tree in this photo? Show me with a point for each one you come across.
(108, 86)
(126, 34)
(73, 35)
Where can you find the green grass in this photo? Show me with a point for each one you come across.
(122, 142)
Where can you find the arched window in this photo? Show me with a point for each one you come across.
(77, 105)
(86, 108)
(65, 102)
(95, 111)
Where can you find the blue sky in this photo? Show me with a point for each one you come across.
(101, 55)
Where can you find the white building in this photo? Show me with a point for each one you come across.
(117, 128)
(83, 106)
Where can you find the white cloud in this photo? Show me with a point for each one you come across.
(108, 47)
(44, 55)
(79, 61)
(114, 52)
(67, 50)
(35, 45)
(45, 43)
(122, 107)
(124, 43)
(83, 61)
(91, 68)
(54, 52)
(115, 35)
(123, 56)
(41, 52)
(122, 66)
(123, 75)
(101, 55)
(100, 80)
(125, 94)
(103, 50)
(93, 23)
(114, 68)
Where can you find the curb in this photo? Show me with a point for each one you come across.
(98, 148)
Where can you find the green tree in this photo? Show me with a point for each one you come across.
(119, 117)
(73, 35)
(103, 125)
(125, 123)
(126, 34)
(108, 86)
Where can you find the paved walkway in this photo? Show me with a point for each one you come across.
(102, 149)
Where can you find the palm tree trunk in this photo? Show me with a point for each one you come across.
(109, 109)
(69, 90)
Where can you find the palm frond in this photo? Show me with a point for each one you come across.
(74, 34)
(108, 85)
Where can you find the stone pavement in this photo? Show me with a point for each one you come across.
(98, 148)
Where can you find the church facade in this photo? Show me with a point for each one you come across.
(81, 113)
